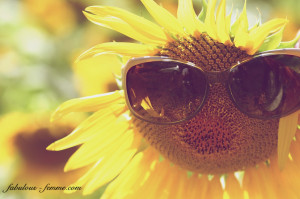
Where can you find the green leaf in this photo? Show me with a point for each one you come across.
(289, 44)
(202, 14)
(272, 41)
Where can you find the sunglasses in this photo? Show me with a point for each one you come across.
(162, 90)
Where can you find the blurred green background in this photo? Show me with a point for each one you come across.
(39, 41)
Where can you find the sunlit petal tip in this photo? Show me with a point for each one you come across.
(221, 23)
(87, 104)
(56, 115)
(260, 33)
(210, 21)
(119, 48)
(188, 18)
(163, 17)
(286, 132)
(228, 21)
(127, 24)
(272, 41)
(52, 147)
(140, 24)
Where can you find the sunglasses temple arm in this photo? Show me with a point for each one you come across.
(285, 51)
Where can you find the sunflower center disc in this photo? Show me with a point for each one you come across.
(220, 138)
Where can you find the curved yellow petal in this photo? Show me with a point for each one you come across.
(158, 177)
(121, 48)
(291, 174)
(272, 41)
(88, 104)
(241, 35)
(295, 149)
(233, 188)
(163, 17)
(255, 190)
(110, 170)
(228, 22)
(210, 21)
(133, 176)
(201, 186)
(222, 29)
(259, 34)
(104, 171)
(286, 132)
(88, 129)
(120, 25)
(284, 190)
(140, 24)
(188, 18)
(92, 151)
(214, 188)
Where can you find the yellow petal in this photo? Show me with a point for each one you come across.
(254, 189)
(158, 177)
(140, 24)
(201, 187)
(266, 182)
(132, 176)
(228, 22)
(291, 174)
(104, 171)
(242, 36)
(210, 22)
(121, 48)
(127, 28)
(222, 29)
(89, 127)
(178, 185)
(233, 187)
(163, 17)
(259, 34)
(214, 188)
(188, 18)
(295, 151)
(285, 189)
(286, 132)
(88, 104)
(161, 180)
(92, 151)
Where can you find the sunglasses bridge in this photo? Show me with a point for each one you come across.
(214, 77)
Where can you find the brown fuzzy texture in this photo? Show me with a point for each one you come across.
(219, 139)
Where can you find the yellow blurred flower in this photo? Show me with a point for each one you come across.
(127, 152)
(57, 15)
(23, 157)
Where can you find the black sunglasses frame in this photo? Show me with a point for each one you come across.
(211, 77)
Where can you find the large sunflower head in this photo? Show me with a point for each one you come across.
(219, 141)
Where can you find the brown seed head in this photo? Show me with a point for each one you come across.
(219, 139)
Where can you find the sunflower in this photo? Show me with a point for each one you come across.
(23, 157)
(220, 153)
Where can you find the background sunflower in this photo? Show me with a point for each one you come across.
(40, 41)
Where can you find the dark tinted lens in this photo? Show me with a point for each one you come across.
(165, 92)
(268, 86)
